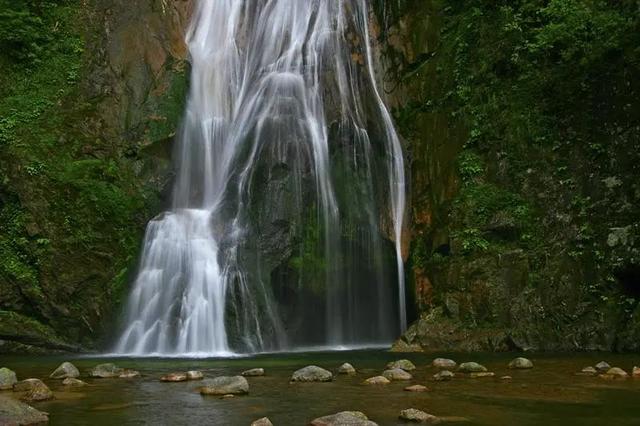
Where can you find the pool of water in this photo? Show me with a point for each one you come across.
(549, 394)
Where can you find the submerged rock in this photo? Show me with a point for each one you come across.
(416, 388)
(228, 396)
(636, 372)
(403, 364)
(615, 373)
(13, 412)
(106, 371)
(521, 364)
(174, 377)
(312, 373)
(254, 372)
(602, 367)
(195, 375)
(344, 418)
(506, 378)
(65, 370)
(588, 371)
(129, 374)
(418, 416)
(7, 378)
(225, 385)
(34, 390)
(70, 381)
(471, 367)
(443, 376)
(397, 374)
(444, 363)
(262, 422)
(377, 380)
(481, 374)
(346, 368)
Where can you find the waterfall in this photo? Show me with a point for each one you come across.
(289, 189)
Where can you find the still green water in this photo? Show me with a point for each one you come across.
(549, 394)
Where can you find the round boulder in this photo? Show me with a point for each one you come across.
(444, 363)
(195, 375)
(254, 372)
(588, 371)
(615, 373)
(34, 390)
(602, 367)
(346, 368)
(106, 371)
(521, 364)
(417, 416)
(403, 364)
(225, 385)
(344, 418)
(312, 373)
(65, 370)
(377, 380)
(7, 378)
(471, 367)
(443, 376)
(397, 374)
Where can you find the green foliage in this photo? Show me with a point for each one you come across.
(470, 166)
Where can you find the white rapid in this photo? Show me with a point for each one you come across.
(286, 86)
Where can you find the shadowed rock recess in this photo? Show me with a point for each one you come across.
(522, 217)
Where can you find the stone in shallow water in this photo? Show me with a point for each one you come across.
(346, 368)
(481, 375)
(471, 367)
(403, 364)
(254, 372)
(129, 374)
(195, 375)
(444, 363)
(7, 378)
(636, 372)
(174, 377)
(418, 416)
(34, 390)
(106, 371)
(65, 370)
(588, 371)
(377, 380)
(225, 385)
(262, 422)
(312, 373)
(416, 388)
(397, 374)
(13, 412)
(70, 381)
(521, 364)
(615, 373)
(603, 367)
(344, 418)
(444, 376)
(506, 378)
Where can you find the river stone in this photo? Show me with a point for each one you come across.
(225, 385)
(506, 378)
(403, 364)
(521, 364)
(106, 371)
(70, 381)
(195, 375)
(7, 378)
(65, 370)
(312, 373)
(481, 374)
(444, 376)
(416, 388)
(444, 363)
(377, 380)
(262, 422)
(471, 367)
(344, 418)
(254, 372)
(174, 377)
(602, 367)
(129, 374)
(588, 371)
(615, 373)
(397, 374)
(346, 368)
(417, 416)
(13, 412)
(636, 372)
(35, 390)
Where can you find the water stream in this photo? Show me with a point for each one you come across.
(289, 195)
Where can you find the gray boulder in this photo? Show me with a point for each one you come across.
(312, 373)
(344, 418)
(403, 364)
(254, 372)
(602, 367)
(521, 364)
(195, 375)
(262, 422)
(106, 371)
(225, 385)
(444, 363)
(71, 382)
(34, 390)
(397, 374)
(471, 367)
(346, 368)
(174, 377)
(13, 412)
(377, 380)
(444, 376)
(65, 370)
(417, 416)
(7, 378)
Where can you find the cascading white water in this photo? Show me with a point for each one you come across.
(288, 84)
